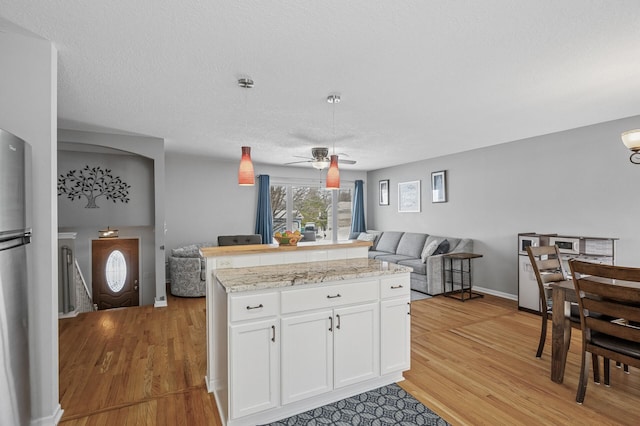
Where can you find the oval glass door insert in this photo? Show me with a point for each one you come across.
(116, 271)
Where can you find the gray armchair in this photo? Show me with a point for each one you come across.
(187, 271)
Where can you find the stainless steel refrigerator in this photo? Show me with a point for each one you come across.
(15, 235)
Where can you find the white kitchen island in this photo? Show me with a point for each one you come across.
(286, 338)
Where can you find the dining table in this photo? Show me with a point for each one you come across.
(563, 293)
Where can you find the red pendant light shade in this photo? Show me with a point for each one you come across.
(333, 175)
(246, 176)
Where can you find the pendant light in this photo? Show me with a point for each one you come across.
(333, 174)
(246, 176)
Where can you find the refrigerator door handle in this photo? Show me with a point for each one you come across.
(14, 242)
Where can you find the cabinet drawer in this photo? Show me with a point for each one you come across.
(328, 296)
(394, 286)
(253, 306)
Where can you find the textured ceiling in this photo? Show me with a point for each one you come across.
(418, 79)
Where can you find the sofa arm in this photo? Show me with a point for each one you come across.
(185, 276)
(435, 266)
(434, 275)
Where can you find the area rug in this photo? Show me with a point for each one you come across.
(388, 405)
(416, 295)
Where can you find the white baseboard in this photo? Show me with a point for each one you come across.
(51, 420)
(71, 314)
(496, 293)
(160, 303)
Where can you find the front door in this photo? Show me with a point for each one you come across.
(114, 272)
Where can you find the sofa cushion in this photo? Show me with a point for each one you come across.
(442, 248)
(464, 245)
(374, 254)
(453, 243)
(388, 241)
(419, 267)
(411, 244)
(393, 258)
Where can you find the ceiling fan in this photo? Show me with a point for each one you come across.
(320, 159)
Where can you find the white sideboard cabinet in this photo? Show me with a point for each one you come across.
(587, 249)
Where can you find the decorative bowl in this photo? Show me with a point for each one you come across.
(291, 240)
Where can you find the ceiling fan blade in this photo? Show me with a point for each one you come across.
(298, 162)
(300, 156)
(340, 160)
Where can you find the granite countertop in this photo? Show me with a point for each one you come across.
(294, 274)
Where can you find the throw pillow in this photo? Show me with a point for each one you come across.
(367, 237)
(428, 250)
(442, 248)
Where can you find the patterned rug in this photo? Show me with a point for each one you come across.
(388, 405)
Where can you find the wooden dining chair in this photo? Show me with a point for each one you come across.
(606, 292)
(547, 267)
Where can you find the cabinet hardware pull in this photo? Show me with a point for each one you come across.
(393, 287)
(255, 307)
(333, 297)
(338, 325)
(330, 323)
(409, 304)
(273, 333)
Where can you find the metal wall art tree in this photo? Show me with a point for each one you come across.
(91, 183)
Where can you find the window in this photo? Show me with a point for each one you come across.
(116, 271)
(297, 206)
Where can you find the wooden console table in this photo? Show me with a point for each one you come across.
(449, 271)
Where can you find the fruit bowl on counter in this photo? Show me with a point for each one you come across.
(288, 238)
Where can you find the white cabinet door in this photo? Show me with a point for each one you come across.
(528, 292)
(307, 355)
(253, 367)
(395, 331)
(356, 344)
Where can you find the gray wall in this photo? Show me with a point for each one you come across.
(134, 170)
(134, 219)
(153, 288)
(204, 199)
(28, 109)
(576, 182)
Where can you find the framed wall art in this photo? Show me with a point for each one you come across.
(383, 191)
(409, 196)
(439, 187)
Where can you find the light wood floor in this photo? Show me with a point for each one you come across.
(473, 363)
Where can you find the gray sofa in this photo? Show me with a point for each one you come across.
(187, 272)
(422, 252)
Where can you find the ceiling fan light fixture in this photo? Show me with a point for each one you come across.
(320, 163)
(333, 174)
